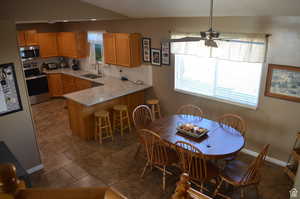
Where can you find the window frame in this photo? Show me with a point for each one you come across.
(103, 54)
(223, 100)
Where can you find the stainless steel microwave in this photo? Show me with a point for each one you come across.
(29, 52)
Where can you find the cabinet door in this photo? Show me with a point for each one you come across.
(82, 84)
(123, 49)
(109, 43)
(48, 44)
(67, 44)
(68, 84)
(135, 50)
(55, 85)
(82, 47)
(31, 38)
(21, 38)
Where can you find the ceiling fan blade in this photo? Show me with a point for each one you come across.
(184, 39)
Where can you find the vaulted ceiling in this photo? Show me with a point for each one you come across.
(193, 8)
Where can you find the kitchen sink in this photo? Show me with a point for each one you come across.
(96, 84)
(91, 76)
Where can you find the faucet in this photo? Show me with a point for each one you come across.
(99, 72)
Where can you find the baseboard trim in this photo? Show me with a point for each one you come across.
(35, 169)
(268, 158)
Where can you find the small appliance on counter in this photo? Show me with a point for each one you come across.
(75, 64)
(63, 63)
(52, 66)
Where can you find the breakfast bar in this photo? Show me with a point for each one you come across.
(109, 91)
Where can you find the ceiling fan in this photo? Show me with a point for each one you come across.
(209, 37)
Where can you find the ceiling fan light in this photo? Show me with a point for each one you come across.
(211, 43)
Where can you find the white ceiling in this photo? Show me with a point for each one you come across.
(193, 8)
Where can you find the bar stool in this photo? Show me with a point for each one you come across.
(121, 118)
(155, 108)
(103, 128)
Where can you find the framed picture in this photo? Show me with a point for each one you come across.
(165, 53)
(283, 82)
(155, 57)
(146, 46)
(10, 101)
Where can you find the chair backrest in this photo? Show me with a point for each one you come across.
(252, 174)
(156, 149)
(190, 109)
(141, 116)
(192, 160)
(236, 122)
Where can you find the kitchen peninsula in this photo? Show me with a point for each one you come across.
(101, 94)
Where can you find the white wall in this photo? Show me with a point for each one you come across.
(17, 129)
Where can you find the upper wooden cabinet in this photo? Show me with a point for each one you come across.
(72, 44)
(31, 38)
(27, 38)
(122, 49)
(48, 44)
(21, 38)
(109, 42)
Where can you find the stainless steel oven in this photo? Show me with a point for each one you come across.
(37, 84)
(29, 52)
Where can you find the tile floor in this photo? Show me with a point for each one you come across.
(70, 162)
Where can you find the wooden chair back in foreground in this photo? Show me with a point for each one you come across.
(190, 109)
(236, 122)
(159, 154)
(142, 116)
(184, 190)
(194, 163)
(241, 178)
(9, 183)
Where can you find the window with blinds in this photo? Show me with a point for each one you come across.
(230, 73)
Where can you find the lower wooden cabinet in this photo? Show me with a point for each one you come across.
(60, 84)
(82, 84)
(55, 85)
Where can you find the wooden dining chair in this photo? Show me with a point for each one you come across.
(231, 121)
(190, 109)
(239, 177)
(159, 155)
(195, 164)
(141, 116)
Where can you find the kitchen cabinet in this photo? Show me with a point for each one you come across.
(31, 38)
(27, 38)
(122, 49)
(82, 84)
(72, 44)
(60, 84)
(109, 42)
(55, 85)
(69, 84)
(21, 38)
(48, 44)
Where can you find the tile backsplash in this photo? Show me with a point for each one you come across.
(144, 72)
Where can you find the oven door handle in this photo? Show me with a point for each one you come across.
(35, 77)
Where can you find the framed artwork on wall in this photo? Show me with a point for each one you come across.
(146, 48)
(10, 101)
(165, 53)
(283, 82)
(155, 57)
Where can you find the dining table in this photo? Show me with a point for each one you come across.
(219, 142)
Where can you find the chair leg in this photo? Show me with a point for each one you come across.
(257, 191)
(242, 192)
(164, 178)
(137, 151)
(144, 170)
(218, 187)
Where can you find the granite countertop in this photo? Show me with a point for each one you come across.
(112, 88)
